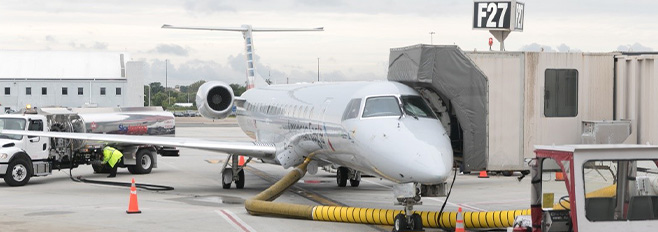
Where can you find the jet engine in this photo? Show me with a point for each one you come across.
(215, 100)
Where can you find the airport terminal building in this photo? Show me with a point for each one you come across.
(69, 79)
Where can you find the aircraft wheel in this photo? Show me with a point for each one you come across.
(227, 178)
(400, 223)
(341, 176)
(240, 182)
(355, 183)
(417, 222)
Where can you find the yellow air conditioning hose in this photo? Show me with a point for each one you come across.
(491, 219)
(262, 204)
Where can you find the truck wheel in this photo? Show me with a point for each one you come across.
(508, 173)
(144, 162)
(18, 172)
(100, 168)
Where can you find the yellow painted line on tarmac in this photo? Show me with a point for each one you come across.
(214, 161)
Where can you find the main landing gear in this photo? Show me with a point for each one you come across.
(344, 173)
(232, 171)
(407, 195)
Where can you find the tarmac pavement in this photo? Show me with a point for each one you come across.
(198, 203)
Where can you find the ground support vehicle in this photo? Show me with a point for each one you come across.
(22, 157)
(604, 188)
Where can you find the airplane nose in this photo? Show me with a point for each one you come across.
(426, 161)
(406, 150)
(432, 163)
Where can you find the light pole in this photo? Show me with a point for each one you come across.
(318, 69)
(149, 94)
(432, 37)
(166, 84)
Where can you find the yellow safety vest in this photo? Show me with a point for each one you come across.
(111, 155)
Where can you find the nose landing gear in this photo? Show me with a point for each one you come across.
(408, 195)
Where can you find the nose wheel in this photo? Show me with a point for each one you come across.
(404, 223)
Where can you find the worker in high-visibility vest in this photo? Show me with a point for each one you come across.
(112, 157)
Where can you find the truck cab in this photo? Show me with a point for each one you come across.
(23, 156)
(595, 188)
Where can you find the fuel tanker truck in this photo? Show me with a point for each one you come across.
(22, 157)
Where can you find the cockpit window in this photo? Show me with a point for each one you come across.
(382, 106)
(416, 106)
(352, 109)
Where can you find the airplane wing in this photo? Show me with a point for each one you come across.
(206, 28)
(263, 29)
(243, 28)
(251, 149)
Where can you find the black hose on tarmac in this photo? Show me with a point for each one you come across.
(150, 187)
(446, 201)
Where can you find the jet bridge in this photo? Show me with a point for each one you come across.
(456, 89)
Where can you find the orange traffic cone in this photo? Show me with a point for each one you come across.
(132, 206)
(241, 161)
(483, 174)
(459, 223)
(559, 176)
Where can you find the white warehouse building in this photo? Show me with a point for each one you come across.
(69, 79)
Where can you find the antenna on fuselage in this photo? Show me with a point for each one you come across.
(248, 42)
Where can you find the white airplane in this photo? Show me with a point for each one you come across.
(381, 128)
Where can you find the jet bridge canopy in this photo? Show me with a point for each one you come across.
(445, 71)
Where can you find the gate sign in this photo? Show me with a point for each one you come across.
(518, 22)
(498, 15)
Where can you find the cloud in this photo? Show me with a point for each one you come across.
(51, 39)
(565, 48)
(296, 73)
(191, 71)
(415, 7)
(535, 47)
(171, 49)
(320, 3)
(636, 47)
(207, 6)
(233, 72)
(95, 46)
(99, 46)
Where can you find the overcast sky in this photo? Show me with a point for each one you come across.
(354, 45)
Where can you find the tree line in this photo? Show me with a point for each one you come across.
(167, 97)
